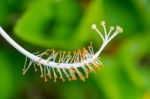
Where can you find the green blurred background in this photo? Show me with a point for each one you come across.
(66, 25)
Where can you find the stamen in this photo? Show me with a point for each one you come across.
(55, 76)
(86, 71)
(25, 70)
(45, 74)
(67, 57)
(92, 50)
(61, 76)
(74, 53)
(72, 74)
(63, 56)
(24, 67)
(41, 69)
(60, 57)
(91, 68)
(80, 74)
(35, 67)
(67, 75)
(49, 73)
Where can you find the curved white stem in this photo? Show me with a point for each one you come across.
(44, 62)
(38, 59)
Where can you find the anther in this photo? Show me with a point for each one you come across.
(87, 74)
(41, 76)
(23, 70)
(64, 52)
(23, 73)
(55, 78)
(79, 50)
(35, 70)
(74, 78)
(50, 77)
(69, 52)
(45, 79)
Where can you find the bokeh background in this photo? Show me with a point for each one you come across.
(66, 25)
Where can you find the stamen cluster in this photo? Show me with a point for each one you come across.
(72, 65)
(63, 57)
(62, 64)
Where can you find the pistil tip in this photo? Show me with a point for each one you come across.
(93, 26)
(119, 29)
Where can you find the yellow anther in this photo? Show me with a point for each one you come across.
(23, 73)
(41, 75)
(74, 78)
(64, 52)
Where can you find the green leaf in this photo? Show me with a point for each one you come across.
(44, 23)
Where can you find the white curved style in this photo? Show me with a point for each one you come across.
(68, 64)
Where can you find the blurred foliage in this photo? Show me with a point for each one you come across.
(65, 25)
